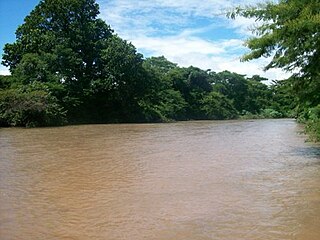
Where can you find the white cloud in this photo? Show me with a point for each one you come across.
(242, 25)
(217, 56)
(4, 70)
(251, 68)
(217, 62)
(182, 31)
(129, 17)
(177, 45)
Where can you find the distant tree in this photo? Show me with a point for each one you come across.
(193, 84)
(199, 79)
(160, 64)
(217, 107)
(282, 99)
(257, 78)
(234, 86)
(123, 81)
(162, 102)
(259, 95)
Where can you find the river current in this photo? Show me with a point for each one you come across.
(197, 180)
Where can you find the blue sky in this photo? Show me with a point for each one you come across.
(187, 32)
(12, 13)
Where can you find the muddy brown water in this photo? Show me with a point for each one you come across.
(178, 181)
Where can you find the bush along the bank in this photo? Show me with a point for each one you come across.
(30, 108)
(313, 123)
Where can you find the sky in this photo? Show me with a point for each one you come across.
(187, 32)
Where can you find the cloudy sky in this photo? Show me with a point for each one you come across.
(187, 32)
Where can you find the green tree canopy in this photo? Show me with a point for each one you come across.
(160, 64)
(234, 86)
(63, 42)
(68, 65)
(289, 32)
(70, 31)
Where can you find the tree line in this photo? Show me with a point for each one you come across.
(68, 66)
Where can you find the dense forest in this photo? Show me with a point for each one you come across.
(68, 66)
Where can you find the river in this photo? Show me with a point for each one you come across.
(197, 180)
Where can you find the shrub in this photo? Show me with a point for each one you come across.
(30, 108)
(313, 123)
(271, 113)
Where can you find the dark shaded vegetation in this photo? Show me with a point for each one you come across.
(68, 66)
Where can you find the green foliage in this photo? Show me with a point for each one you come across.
(249, 95)
(283, 99)
(63, 38)
(271, 113)
(167, 105)
(217, 106)
(258, 96)
(288, 32)
(30, 106)
(159, 64)
(193, 84)
(35, 67)
(122, 84)
(161, 102)
(234, 86)
(5, 81)
(313, 123)
(68, 65)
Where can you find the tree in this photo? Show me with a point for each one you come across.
(122, 83)
(288, 31)
(63, 44)
(217, 107)
(34, 67)
(31, 105)
(70, 32)
(282, 100)
(161, 102)
(5, 81)
(234, 86)
(159, 64)
(259, 95)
